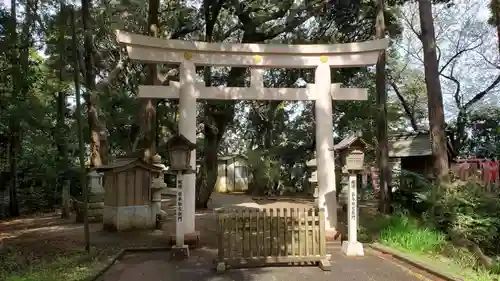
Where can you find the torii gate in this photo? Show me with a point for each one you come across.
(257, 56)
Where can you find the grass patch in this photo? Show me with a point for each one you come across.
(429, 246)
(405, 233)
(70, 266)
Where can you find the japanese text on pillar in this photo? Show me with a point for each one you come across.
(179, 200)
(353, 200)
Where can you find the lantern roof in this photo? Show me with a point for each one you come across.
(180, 141)
(354, 140)
(124, 163)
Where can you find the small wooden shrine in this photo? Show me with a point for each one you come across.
(127, 199)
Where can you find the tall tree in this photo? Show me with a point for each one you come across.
(382, 139)
(145, 127)
(61, 128)
(81, 143)
(14, 122)
(98, 133)
(466, 62)
(211, 9)
(434, 93)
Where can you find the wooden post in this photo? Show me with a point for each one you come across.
(278, 220)
(322, 240)
(294, 222)
(314, 232)
(285, 230)
(306, 231)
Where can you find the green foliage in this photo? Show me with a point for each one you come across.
(468, 210)
(429, 246)
(412, 192)
(74, 266)
(460, 211)
(485, 133)
(264, 172)
(464, 208)
(408, 234)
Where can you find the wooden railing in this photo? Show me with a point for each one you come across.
(260, 237)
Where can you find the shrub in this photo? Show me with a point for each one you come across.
(464, 208)
(412, 192)
(264, 172)
(468, 210)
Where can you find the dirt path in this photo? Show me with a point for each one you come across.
(44, 236)
(47, 234)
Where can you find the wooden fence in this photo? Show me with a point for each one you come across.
(260, 237)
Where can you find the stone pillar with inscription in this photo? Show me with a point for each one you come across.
(187, 127)
(352, 247)
(180, 251)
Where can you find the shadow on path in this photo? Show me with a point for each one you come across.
(157, 266)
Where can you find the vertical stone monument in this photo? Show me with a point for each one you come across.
(351, 151)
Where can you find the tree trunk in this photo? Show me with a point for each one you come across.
(81, 143)
(381, 100)
(211, 127)
(61, 140)
(97, 129)
(15, 141)
(15, 147)
(383, 147)
(434, 94)
(145, 139)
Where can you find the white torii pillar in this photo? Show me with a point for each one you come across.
(324, 141)
(187, 127)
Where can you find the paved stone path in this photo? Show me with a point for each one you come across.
(157, 266)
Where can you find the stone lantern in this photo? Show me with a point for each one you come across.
(157, 186)
(354, 160)
(179, 151)
(96, 196)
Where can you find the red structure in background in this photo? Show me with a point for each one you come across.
(479, 169)
(484, 169)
